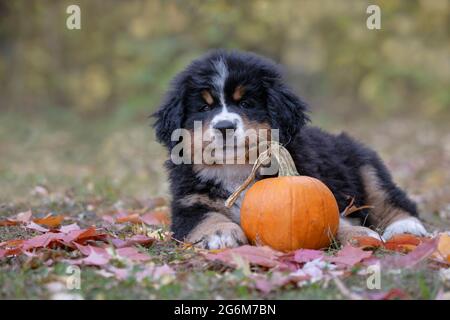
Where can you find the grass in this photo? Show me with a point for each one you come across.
(59, 163)
(32, 282)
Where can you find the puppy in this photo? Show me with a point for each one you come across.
(229, 93)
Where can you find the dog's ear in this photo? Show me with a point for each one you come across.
(169, 117)
(287, 111)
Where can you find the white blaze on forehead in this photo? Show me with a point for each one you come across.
(219, 80)
(219, 84)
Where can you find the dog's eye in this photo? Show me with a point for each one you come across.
(205, 107)
(244, 104)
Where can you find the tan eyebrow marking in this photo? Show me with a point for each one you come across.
(207, 96)
(238, 93)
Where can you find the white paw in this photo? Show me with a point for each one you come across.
(409, 225)
(227, 235)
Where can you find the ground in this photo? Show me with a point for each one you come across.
(86, 169)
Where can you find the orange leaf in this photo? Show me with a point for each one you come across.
(405, 239)
(90, 233)
(133, 218)
(157, 217)
(365, 242)
(7, 223)
(12, 243)
(50, 221)
(444, 246)
(403, 242)
(20, 218)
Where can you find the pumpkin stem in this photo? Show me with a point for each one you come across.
(286, 167)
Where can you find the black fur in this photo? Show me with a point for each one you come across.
(334, 159)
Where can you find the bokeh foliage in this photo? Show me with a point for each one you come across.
(127, 51)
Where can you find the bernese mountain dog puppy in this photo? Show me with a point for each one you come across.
(234, 91)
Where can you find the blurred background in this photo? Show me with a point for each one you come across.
(74, 104)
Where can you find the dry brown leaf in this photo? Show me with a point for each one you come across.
(443, 248)
(133, 218)
(366, 242)
(50, 221)
(403, 242)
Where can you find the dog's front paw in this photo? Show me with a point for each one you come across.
(222, 235)
(409, 225)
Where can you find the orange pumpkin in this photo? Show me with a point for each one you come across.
(291, 211)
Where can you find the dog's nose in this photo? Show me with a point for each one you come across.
(224, 125)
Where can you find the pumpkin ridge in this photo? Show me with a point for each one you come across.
(305, 227)
(309, 213)
(258, 225)
(324, 212)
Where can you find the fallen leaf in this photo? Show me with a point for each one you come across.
(156, 217)
(366, 242)
(7, 223)
(69, 227)
(20, 218)
(12, 243)
(133, 218)
(86, 250)
(133, 254)
(306, 255)
(41, 241)
(24, 216)
(315, 270)
(136, 239)
(349, 256)
(420, 253)
(82, 235)
(443, 248)
(11, 247)
(95, 258)
(12, 252)
(261, 256)
(33, 226)
(390, 295)
(50, 221)
(403, 242)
